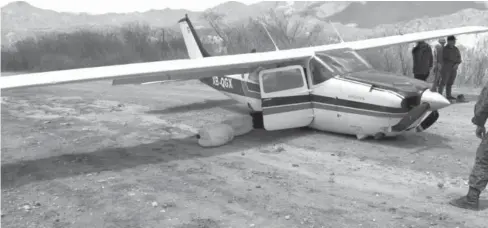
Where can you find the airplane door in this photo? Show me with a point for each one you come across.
(286, 99)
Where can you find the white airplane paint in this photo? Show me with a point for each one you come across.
(328, 87)
(320, 116)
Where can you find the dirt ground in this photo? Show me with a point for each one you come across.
(93, 155)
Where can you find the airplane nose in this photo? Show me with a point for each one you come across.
(436, 100)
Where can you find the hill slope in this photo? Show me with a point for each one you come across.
(20, 19)
(21, 16)
(371, 14)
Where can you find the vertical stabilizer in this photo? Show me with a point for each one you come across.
(192, 41)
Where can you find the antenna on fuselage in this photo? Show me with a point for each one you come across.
(336, 31)
(270, 37)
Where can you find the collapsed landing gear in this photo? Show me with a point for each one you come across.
(257, 120)
(377, 136)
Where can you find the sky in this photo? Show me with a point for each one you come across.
(122, 6)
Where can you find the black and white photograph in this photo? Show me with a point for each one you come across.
(244, 114)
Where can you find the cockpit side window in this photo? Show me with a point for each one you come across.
(319, 72)
(254, 75)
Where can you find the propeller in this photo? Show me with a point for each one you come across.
(411, 117)
(429, 121)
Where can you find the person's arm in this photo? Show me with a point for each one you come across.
(445, 55)
(458, 57)
(481, 108)
(431, 57)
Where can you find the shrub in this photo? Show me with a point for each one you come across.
(84, 48)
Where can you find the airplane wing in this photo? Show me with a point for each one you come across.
(184, 69)
(413, 37)
(188, 69)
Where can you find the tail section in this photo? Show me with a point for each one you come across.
(192, 41)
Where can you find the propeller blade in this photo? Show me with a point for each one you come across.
(429, 121)
(411, 117)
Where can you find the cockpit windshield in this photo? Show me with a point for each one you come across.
(344, 61)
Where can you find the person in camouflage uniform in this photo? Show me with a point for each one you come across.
(478, 178)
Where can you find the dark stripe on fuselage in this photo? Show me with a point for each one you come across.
(357, 105)
(254, 87)
(287, 108)
(289, 100)
(238, 88)
(328, 107)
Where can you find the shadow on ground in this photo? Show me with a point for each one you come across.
(115, 159)
(421, 141)
(207, 104)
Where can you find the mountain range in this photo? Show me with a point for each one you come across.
(20, 19)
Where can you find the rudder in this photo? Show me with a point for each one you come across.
(193, 43)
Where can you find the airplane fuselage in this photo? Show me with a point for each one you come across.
(335, 91)
(344, 104)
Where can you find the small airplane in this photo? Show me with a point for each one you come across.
(328, 88)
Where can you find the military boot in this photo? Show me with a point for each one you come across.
(470, 201)
(448, 93)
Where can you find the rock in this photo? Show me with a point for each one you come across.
(215, 135)
(154, 204)
(331, 179)
(287, 217)
(27, 207)
(440, 185)
(240, 124)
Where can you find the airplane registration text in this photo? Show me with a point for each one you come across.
(222, 82)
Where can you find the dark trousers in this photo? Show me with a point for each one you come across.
(479, 174)
(422, 77)
(448, 76)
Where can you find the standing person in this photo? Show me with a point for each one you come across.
(451, 58)
(478, 179)
(422, 60)
(438, 63)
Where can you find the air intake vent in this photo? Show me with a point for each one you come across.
(411, 102)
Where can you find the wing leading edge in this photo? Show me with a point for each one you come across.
(188, 69)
